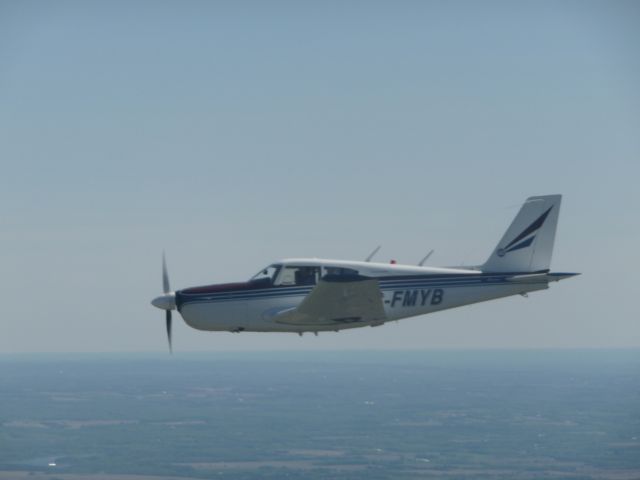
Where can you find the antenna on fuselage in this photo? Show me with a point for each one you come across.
(372, 254)
(426, 257)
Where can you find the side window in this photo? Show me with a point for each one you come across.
(340, 271)
(298, 276)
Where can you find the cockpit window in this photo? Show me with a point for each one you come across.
(298, 275)
(266, 275)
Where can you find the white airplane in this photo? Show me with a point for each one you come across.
(314, 295)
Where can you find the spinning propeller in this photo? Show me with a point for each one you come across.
(166, 302)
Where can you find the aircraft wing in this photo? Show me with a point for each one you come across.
(337, 300)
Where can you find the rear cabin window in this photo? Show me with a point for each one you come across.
(294, 275)
(340, 271)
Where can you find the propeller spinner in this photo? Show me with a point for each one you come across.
(167, 301)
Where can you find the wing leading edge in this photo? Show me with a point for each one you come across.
(338, 300)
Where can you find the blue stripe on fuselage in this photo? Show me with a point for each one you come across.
(386, 284)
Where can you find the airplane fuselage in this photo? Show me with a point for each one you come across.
(407, 291)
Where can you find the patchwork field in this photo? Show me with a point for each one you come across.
(374, 415)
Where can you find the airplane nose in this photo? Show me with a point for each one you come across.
(165, 302)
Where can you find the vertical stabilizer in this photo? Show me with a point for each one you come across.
(528, 243)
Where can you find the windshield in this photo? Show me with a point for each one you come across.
(266, 274)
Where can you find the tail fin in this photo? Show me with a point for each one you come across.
(528, 243)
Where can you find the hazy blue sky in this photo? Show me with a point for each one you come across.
(235, 133)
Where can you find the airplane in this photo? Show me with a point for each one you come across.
(316, 295)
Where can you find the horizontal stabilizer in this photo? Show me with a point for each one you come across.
(556, 277)
(532, 278)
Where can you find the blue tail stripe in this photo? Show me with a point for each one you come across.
(524, 244)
